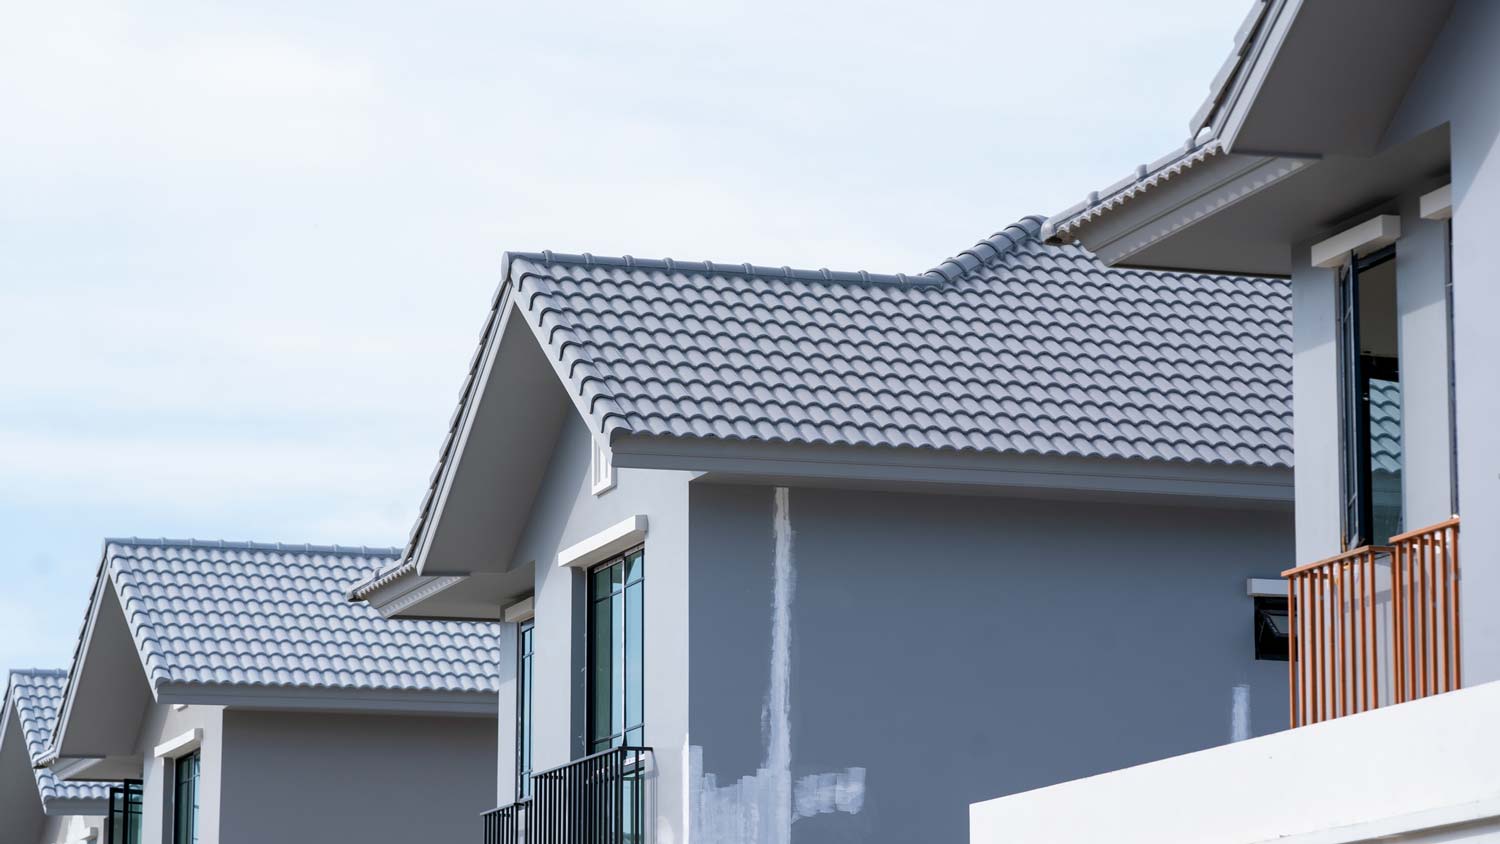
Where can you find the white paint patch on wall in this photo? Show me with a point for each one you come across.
(1239, 713)
(760, 808)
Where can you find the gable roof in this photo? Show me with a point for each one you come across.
(1012, 347)
(33, 696)
(266, 624)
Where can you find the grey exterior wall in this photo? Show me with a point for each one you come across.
(1457, 85)
(962, 648)
(161, 724)
(312, 778)
(565, 512)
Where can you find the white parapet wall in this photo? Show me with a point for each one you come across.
(1425, 771)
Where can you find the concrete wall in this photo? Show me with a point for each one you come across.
(311, 778)
(942, 650)
(70, 829)
(161, 724)
(1420, 772)
(1457, 85)
(566, 511)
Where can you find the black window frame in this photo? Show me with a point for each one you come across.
(525, 654)
(185, 791)
(596, 740)
(126, 803)
(1356, 368)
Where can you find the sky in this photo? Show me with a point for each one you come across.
(246, 249)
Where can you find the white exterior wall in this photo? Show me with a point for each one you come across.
(1424, 771)
(71, 829)
(1315, 414)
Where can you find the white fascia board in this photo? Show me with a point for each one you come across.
(179, 745)
(604, 544)
(1366, 237)
(1437, 205)
(334, 700)
(1265, 587)
(520, 611)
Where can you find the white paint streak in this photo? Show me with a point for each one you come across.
(1239, 713)
(820, 794)
(760, 808)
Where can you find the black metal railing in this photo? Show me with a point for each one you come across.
(599, 799)
(507, 825)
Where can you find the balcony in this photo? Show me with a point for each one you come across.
(599, 799)
(1375, 625)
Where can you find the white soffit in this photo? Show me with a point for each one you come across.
(1437, 205)
(521, 611)
(604, 544)
(1265, 587)
(1365, 237)
(183, 744)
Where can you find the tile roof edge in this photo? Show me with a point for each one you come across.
(1060, 227)
(983, 252)
(379, 580)
(247, 545)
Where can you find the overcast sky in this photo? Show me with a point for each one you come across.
(246, 248)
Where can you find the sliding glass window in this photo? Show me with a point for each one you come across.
(524, 639)
(185, 802)
(615, 715)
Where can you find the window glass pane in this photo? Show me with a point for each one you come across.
(634, 567)
(601, 674)
(523, 711)
(633, 655)
(601, 579)
(617, 660)
(185, 814)
(1385, 457)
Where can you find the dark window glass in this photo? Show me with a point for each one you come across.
(185, 804)
(616, 657)
(523, 713)
(1271, 628)
(123, 823)
(1370, 400)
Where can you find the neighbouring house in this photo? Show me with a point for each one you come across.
(786, 555)
(231, 695)
(35, 808)
(1353, 148)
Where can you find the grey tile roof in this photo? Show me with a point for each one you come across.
(1385, 427)
(1013, 346)
(33, 696)
(259, 614)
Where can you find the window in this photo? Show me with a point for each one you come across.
(1271, 628)
(185, 800)
(1370, 400)
(601, 468)
(123, 823)
(614, 676)
(523, 711)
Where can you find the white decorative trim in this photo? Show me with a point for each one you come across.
(178, 707)
(520, 611)
(421, 592)
(1437, 205)
(181, 745)
(601, 467)
(1265, 587)
(1366, 237)
(604, 544)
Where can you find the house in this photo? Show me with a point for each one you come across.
(782, 554)
(1351, 148)
(35, 808)
(230, 694)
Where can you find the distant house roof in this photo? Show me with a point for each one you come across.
(1014, 346)
(33, 696)
(242, 622)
